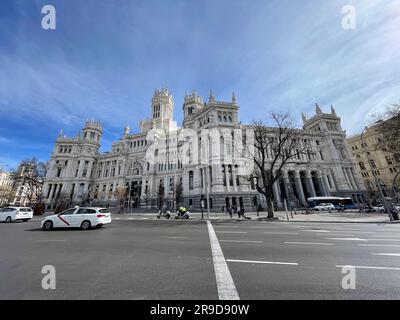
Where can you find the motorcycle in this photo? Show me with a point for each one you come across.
(163, 214)
(182, 213)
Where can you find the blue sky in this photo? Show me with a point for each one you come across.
(106, 57)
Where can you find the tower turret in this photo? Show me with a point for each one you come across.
(162, 106)
(92, 132)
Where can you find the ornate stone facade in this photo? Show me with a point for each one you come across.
(79, 172)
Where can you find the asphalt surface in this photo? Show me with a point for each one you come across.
(138, 258)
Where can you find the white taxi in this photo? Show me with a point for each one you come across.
(10, 214)
(78, 217)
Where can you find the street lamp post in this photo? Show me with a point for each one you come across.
(377, 183)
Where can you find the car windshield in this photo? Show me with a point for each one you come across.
(104, 211)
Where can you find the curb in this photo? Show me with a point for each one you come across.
(320, 221)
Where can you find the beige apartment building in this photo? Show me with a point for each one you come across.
(385, 165)
(6, 188)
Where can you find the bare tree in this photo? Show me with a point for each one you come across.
(389, 128)
(121, 194)
(62, 202)
(275, 148)
(146, 198)
(30, 176)
(178, 193)
(161, 195)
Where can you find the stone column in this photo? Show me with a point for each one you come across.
(49, 191)
(326, 185)
(286, 184)
(277, 197)
(346, 177)
(310, 185)
(227, 176)
(328, 189)
(321, 184)
(217, 185)
(353, 182)
(235, 187)
(299, 188)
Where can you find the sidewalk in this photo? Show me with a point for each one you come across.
(336, 217)
(281, 216)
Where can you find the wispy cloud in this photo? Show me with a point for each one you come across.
(105, 59)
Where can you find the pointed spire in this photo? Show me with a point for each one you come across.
(317, 109)
(61, 134)
(212, 98)
(333, 111)
(304, 117)
(233, 97)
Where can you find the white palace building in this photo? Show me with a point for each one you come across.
(80, 174)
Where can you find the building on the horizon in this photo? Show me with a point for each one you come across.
(6, 188)
(385, 164)
(78, 172)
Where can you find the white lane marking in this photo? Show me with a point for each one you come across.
(244, 241)
(241, 232)
(264, 262)
(340, 234)
(264, 228)
(222, 226)
(347, 239)
(379, 245)
(316, 243)
(131, 218)
(54, 240)
(386, 254)
(318, 231)
(368, 267)
(117, 218)
(298, 226)
(177, 237)
(267, 232)
(351, 231)
(387, 239)
(225, 285)
(386, 235)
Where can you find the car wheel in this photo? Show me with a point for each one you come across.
(85, 225)
(47, 226)
(8, 220)
(25, 220)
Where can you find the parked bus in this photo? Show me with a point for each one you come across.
(347, 203)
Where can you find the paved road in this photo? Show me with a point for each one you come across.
(150, 259)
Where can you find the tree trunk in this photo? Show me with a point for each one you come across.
(269, 206)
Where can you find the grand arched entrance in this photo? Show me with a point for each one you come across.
(134, 184)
